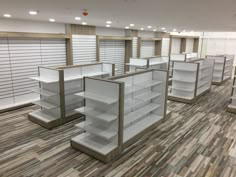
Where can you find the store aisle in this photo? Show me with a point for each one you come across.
(198, 140)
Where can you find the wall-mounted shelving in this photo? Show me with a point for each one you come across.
(190, 80)
(223, 68)
(57, 88)
(119, 110)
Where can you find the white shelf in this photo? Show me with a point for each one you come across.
(148, 84)
(44, 92)
(226, 72)
(102, 133)
(202, 83)
(139, 113)
(204, 67)
(203, 76)
(219, 63)
(180, 96)
(44, 80)
(183, 89)
(139, 126)
(95, 97)
(106, 117)
(147, 96)
(85, 75)
(93, 143)
(140, 86)
(233, 97)
(201, 90)
(226, 77)
(232, 106)
(45, 104)
(178, 80)
(184, 70)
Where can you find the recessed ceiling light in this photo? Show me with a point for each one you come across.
(174, 29)
(7, 15)
(33, 12)
(154, 30)
(126, 27)
(163, 28)
(77, 18)
(84, 23)
(109, 22)
(52, 20)
(165, 31)
(149, 27)
(108, 26)
(131, 24)
(141, 29)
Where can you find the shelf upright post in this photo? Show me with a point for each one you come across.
(121, 115)
(62, 95)
(166, 96)
(196, 83)
(223, 73)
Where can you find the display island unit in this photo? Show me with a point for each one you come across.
(119, 111)
(57, 88)
(155, 62)
(232, 106)
(223, 68)
(190, 80)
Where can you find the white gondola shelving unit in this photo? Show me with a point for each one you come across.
(190, 80)
(223, 68)
(119, 110)
(57, 89)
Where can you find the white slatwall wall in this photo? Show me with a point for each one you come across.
(53, 52)
(135, 47)
(165, 47)
(84, 48)
(6, 90)
(189, 45)
(175, 46)
(147, 48)
(113, 52)
(20, 59)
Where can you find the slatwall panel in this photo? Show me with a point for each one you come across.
(147, 48)
(84, 48)
(53, 52)
(25, 57)
(113, 52)
(165, 47)
(6, 91)
(175, 46)
(20, 59)
(189, 45)
(135, 47)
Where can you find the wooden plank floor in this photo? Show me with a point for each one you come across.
(198, 140)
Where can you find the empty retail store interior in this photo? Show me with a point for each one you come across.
(117, 88)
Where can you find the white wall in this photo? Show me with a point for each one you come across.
(8, 25)
(218, 43)
(109, 31)
(146, 34)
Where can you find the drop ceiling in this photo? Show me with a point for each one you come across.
(197, 15)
